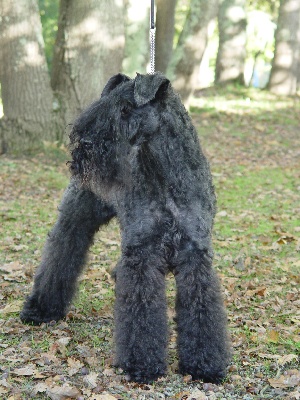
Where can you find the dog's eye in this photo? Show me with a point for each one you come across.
(87, 144)
(125, 110)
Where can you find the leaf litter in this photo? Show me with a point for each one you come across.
(257, 245)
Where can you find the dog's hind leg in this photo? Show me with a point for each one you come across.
(80, 216)
(203, 343)
(140, 316)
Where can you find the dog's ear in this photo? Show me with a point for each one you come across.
(147, 87)
(113, 82)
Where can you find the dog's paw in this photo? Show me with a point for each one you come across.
(33, 314)
(143, 376)
(204, 375)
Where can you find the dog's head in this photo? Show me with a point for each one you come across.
(108, 136)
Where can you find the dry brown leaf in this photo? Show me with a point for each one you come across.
(14, 306)
(11, 267)
(294, 395)
(64, 341)
(103, 396)
(181, 395)
(5, 384)
(281, 360)
(91, 380)
(92, 361)
(260, 291)
(287, 358)
(197, 395)
(291, 379)
(273, 336)
(49, 358)
(3, 390)
(74, 366)
(62, 345)
(109, 372)
(26, 371)
(187, 378)
(63, 392)
(268, 356)
(41, 387)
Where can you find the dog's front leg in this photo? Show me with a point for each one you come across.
(140, 314)
(81, 214)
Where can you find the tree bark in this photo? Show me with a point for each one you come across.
(136, 55)
(232, 42)
(283, 78)
(25, 83)
(165, 28)
(88, 50)
(184, 66)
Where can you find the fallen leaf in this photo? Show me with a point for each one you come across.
(261, 291)
(269, 356)
(63, 392)
(181, 395)
(11, 267)
(65, 341)
(273, 336)
(197, 395)
(13, 307)
(286, 381)
(62, 345)
(109, 372)
(287, 358)
(187, 378)
(3, 390)
(74, 366)
(91, 380)
(41, 387)
(294, 395)
(26, 371)
(103, 396)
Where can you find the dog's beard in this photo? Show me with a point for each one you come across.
(81, 166)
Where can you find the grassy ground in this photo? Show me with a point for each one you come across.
(252, 140)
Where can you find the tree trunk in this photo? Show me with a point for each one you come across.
(88, 50)
(298, 70)
(137, 50)
(232, 42)
(186, 59)
(25, 84)
(165, 27)
(283, 78)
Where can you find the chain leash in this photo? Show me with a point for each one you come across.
(152, 38)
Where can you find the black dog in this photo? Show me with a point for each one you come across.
(136, 156)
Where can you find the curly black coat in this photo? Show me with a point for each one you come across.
(136, 156)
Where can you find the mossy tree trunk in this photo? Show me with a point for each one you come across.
(88, 50)
(184, 66)
(25, 84)
(231, 55)
(286, 62)
(165, 27)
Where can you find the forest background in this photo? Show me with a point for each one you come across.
(55, 57)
